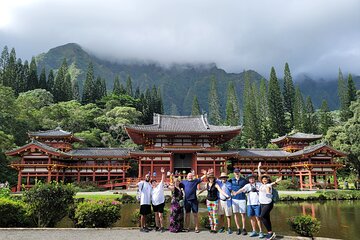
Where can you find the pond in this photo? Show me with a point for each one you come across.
(339, 219)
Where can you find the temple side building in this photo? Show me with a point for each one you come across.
(178, 143)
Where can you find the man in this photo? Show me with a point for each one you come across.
(158, 201)
(145, 201)
(191, 204)
(225, 204)
(239, 201)
(253, 204)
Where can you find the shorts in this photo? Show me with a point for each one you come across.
(224, 208)
(238, 206)
(253, 210)
(159, 208)
(145, 209)
(191, 205)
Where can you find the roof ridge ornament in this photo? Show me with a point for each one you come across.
(204, 120)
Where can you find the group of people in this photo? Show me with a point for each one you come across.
(225, 198)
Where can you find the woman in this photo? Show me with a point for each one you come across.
(177, 206)
(212, 201)
(266, 203)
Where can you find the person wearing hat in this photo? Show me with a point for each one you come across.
(212, 198)
(239, 201)
(225, 205)
(253, 205)
(144, 189)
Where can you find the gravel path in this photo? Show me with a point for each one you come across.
(115, 234)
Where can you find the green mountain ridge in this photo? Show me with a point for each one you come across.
(178, 82)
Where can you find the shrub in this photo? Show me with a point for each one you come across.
(204, 222)
(150, 219)
(286, 184)
(13, 213)
(86, 187)
(201, 199)
(5, 192)
(49, 203)
(304, 225)
(93, 214)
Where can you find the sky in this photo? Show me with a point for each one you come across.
(315, 37)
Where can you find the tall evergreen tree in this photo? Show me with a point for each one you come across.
(42, 79)
(232, 106)
(299, 111)
(310, 121)
(50, 82)
(4, 61)
(33, 81)
(20, 78)
(289, 95)
(263, 113)
(325, 120)
(59, 83)
(159, 101)
(343, 97)
(276, 107)
(129, 90)
(68, 88)
(76, 91)
(89, 86)
(117, 88)
(9, 72)
(195, 110)
(251, 129)
(351, 90)
(174, 110)
(137, 93)
(214, 103)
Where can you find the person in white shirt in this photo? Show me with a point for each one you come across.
(253, 205)
(145, 202)
(158, 201)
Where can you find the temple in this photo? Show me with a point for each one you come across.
(180, 144)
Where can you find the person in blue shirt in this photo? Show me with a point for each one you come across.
(190, 202)
(239, 200)
(225, 204)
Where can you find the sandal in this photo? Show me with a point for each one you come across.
(186, 230)
(197, 230)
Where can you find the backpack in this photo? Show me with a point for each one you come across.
(275, 196)
(138, 193)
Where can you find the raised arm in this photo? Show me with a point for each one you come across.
(162, 174)
(204, 172)
(243, 189)
(259, 172)
(276, 181)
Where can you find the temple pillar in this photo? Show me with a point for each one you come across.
(140, 168)
(78, 175)
(310, 180)
(301, 181)
(18, 187)
(335, 179)
(49, 174)
(172, 164)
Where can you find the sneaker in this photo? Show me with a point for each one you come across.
(270, 236)
(261, 235)
(144, 230)
(221, 230)
(244, 232)
(238, 231)
(162, 230)
(149, 229)
(157, 229)
(229, 231)
(253, 234)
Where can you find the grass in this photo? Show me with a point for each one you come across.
(98, 196)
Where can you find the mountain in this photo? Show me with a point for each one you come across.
(178, 83)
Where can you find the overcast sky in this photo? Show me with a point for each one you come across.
(314, 36)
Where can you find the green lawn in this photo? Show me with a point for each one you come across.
(98, 196)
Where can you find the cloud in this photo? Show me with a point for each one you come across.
(314, 37)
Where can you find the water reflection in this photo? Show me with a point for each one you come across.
(339, 219)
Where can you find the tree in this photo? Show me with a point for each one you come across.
(89, 86)
(61, 84)
(232, 107)
(276, 107)
(50, 81)
(263, 113)
(214, 103)
(9, 72)
(117, 89)
(32, 82)
(20, 78)
(76, 91)
(343, 97)
(42, 79)
(299, 110)
(346, 137)
(325, 120)
(351, 93)
(310, 122)
(289, 94)
(195, 110)
(129, 90)
(174, 110)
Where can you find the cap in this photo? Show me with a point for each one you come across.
(236, 170)
(250, 176)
